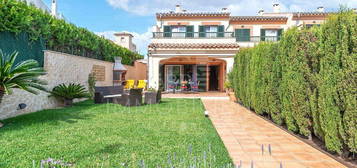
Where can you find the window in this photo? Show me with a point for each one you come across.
(178, 31)
(211, 31)
(270, 34)
(122, 39)
(242, 34)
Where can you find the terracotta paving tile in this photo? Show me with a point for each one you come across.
(243, 133)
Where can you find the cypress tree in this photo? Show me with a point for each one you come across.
(337, 88)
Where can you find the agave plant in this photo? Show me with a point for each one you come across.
(69, 92)
(24, 75)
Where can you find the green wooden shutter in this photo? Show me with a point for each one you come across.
(202, 32)
(280, 32)
(167, 31)
(220, 31)
(242, 34)
(189, 31)
(262, 34)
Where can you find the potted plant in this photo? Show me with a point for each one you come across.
(24, 75)
(67, 93)
(152, 96)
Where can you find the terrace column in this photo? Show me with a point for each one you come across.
(154, 67)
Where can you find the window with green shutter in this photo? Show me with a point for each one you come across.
(262, 34)
(220, 31)
(280, 32)
(189, 31)
(202, 32)
(167, 31)
(242, 34)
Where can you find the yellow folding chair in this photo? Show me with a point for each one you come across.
(142, 84)
(129, 84)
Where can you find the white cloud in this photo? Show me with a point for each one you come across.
(141, 40)
(237, 7)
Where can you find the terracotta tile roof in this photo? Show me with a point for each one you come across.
(198, 14)
(312, 13)
(258, 18)
(195, 45)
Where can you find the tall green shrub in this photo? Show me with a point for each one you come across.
(337, 87)
(17, 17)
(307, 81)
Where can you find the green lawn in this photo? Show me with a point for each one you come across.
(110, 135)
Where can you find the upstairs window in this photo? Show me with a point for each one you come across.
(242, 34)
(270, 34)
(211, 31)
(178, 31)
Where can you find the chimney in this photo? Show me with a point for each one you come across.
(261, 12)
(54, 8)
(178, 9)
(224, 9)
(276, 8)
(320, 9)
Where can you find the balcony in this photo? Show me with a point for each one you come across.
(192, 35)
(257, 38)
(213, 35)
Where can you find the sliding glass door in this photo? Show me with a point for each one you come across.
(174, 77)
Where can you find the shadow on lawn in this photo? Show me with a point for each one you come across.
(78, 111)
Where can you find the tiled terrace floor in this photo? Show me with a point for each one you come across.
(244, 133)
(203, 95)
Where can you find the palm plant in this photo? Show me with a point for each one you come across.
(24, 75)
(69, 92)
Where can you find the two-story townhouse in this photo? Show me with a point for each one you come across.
(195, 51)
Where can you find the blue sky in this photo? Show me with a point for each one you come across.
(105, 17)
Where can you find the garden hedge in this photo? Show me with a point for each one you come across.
(307, 81)
(59, 35)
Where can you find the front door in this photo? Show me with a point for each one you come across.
(173, 77)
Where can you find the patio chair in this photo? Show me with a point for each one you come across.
(142, 84)
(133, 98)
(129, 84)
(195, 87)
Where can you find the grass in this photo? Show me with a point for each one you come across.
(110, 135)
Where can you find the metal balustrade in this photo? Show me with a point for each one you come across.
(212, 35)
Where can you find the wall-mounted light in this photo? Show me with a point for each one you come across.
(21, 106)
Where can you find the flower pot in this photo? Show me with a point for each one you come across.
(150, 98)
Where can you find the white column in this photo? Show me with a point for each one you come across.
(230, 63)
(154, 72)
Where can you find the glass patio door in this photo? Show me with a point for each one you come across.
(173, 77)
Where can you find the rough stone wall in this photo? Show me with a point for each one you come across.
(60, 68)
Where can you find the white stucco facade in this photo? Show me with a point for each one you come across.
(181, 37)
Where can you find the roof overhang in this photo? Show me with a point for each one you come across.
(204, 46)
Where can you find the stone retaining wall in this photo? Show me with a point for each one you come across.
(60, 68)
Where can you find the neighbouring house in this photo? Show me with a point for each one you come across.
(199, 48)
(125, 39)
(41, 5)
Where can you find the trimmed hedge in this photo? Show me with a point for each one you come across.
(306, 82)
(17, 17)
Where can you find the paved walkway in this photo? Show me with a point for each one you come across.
(244, 133)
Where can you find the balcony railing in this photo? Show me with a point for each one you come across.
(185, 35)
(257, 38)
